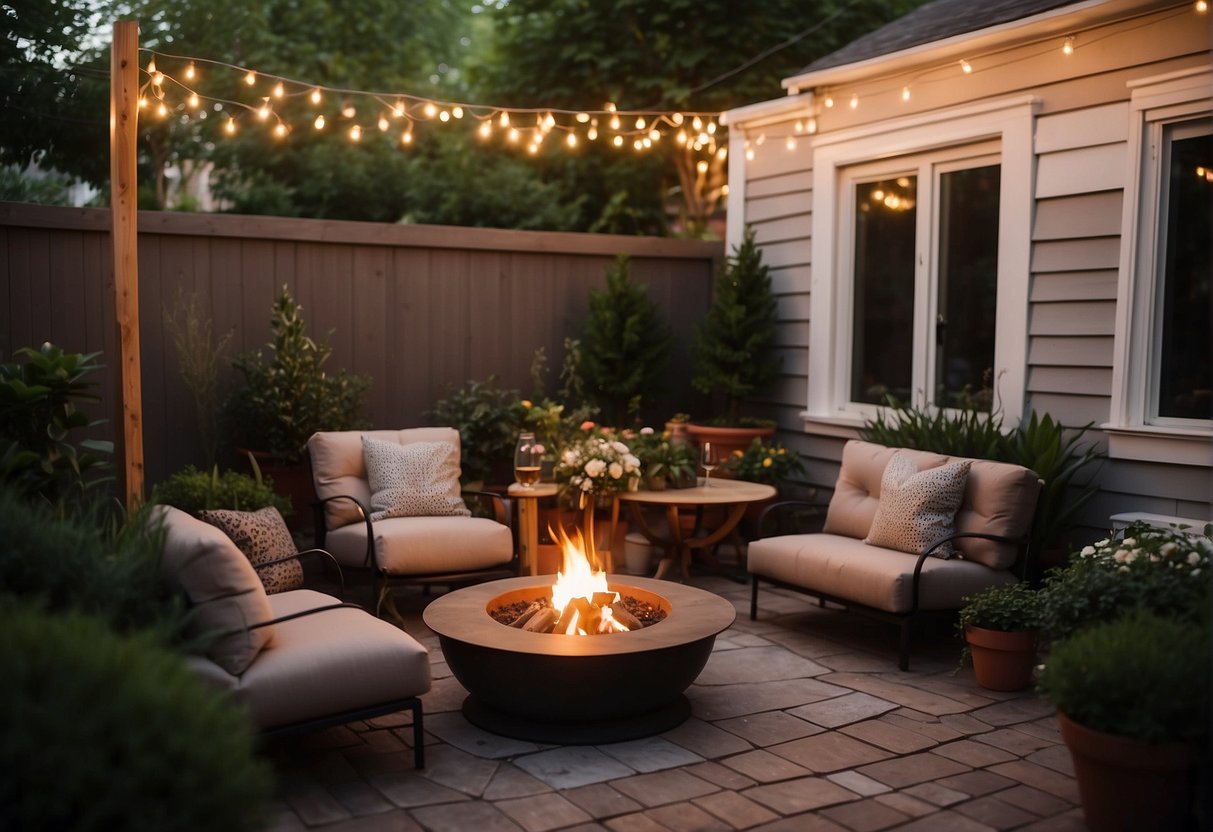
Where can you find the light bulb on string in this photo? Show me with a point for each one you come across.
(610, 106)
(798, 126)
(582, 118)
(407, 137)
(640, 123)
(230, 126)
(157, 79)
(790, 143)
(537, 137)
(702, 138)
(637, 145)
(681, 138)
(676, 118)
(854, 101)
(316, 96)
(617, 141)
(250, 78)
(812, 126)
(571, 140)
(647, 142)
(356, 133)
(829, 102)
(457, 111)
(1067, 48)
(722, 153)
(965, 66)
(161, 110)
(749, 155)
(280, 130)
(513, 135)
(615, 122)
(697, 124)
(548, 122)
(347, 109)
(279, 90)
(444, 116)
(429, 109)
(701, 166)
(319, 122)
(398, 110)
(263, 112)
(142, 102)
(711, 127)
(1201, 6)
(592, 134)
(532, 148)
(384, 124)
(654, 135)
(190, 72)
(192, 101)
(486, 129)
(905, 93)
(504, 120)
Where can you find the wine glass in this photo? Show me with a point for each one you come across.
(707, 458)
(528, 455)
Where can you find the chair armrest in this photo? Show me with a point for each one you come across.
(304, 613)
(322, 524)
(926, 553)
(299, 556)
(791, 517)
(500, 507)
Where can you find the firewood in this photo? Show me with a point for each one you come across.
(535, 607)
(621, 614)
(542, 621)
(604, 599)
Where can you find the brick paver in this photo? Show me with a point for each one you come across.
(802, 723)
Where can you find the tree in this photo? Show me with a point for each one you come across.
(625, 344)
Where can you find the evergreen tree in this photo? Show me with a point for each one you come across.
(734, 343)
(625, 344)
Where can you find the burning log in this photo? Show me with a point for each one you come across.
(542, 621)
(535, 607)
(621, 614)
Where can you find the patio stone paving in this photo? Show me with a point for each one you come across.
(801, 721)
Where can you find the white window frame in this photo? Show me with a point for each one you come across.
(1154, 103)
(1009, 121)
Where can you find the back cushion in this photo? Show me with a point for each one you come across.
(999, 498)
(222, 586)
(338, 466)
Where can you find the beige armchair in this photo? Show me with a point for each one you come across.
(424, 546)
(839, 561)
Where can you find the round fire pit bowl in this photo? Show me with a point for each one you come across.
(566, 689)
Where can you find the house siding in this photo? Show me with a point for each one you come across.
(1082, 164)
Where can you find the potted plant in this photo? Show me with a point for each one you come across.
(625, 345)
(1000, 625)
(663, 462)
(734, 348)
(488, 419)
(1132, 697)
(193, 490)
(289, 396)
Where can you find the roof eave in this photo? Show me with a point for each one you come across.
(1025, 30)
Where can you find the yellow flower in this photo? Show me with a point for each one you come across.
(766, 463)
(527, 404)
(738, 454)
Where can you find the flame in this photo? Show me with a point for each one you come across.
(577, 584)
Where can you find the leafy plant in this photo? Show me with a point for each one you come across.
(1144, 567)
(198, 361)
(1009, 608)
(38, 418)
(734, 345)
(289, 397)
(561, 422)
(1143, 675)
(110, 731)
(487, 417)
(194, 490)
(625, 345)
(767, 463)
(659, 457)
(1039, 443)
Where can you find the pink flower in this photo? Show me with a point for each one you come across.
(587, 425)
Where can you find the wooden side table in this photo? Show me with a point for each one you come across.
(527, 500)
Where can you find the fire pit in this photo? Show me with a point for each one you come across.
(571, 689)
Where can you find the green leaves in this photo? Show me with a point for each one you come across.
(1008, 608)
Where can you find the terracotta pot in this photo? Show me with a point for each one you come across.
(1001, 660)
(1129, 785)
(726, 440)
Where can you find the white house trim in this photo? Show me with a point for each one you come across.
(1008, 120)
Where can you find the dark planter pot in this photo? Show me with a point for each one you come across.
(1001, 660)
(726, 440)
(1130, 786)
(291, 481)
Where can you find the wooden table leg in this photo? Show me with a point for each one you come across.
(528, 534)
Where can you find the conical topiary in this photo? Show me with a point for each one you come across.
(733, 346)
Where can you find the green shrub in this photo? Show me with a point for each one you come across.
(86, 564)
(659, 457)
(38, 418)
(102, 731)
(1155, 569)
(192, 490)
(1142, 676)
(625, 346)
(1008, 608)
(488, 419)
(767, 463)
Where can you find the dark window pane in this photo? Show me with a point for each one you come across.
(883, 337)
(968, 286)
(1184, 378)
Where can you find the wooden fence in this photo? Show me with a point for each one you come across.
(415, 307)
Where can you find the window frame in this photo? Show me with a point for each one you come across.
(836, 157)
(1133, 432)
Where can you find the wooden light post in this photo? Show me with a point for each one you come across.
(124, 126)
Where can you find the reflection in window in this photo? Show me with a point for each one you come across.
(883, 333)
(1184, 379)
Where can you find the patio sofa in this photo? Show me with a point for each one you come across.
(295, 660)
(834, 563)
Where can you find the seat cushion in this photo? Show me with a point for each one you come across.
(338, 466)
(224, 590)
(918, 507)
(852, 570)
(327, 663)
(415, 480)
(263, 536)
(426, 545)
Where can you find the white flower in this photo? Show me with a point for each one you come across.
(1129, 541)
(1193, 559)
(1169, 548)
(631, 463)
(1120, 556)
(587, 484)
(537, 448)
(1123, 569)
(615, 470)
(1102, 543)
(595, 467)
(569, 457)
(1195, 573)
(1087, 551)
(646, 431)
(619, 447)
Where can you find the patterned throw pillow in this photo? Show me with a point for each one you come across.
(420, 479)
(917, 507)
(262, 536)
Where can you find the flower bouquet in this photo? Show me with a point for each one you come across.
(597, 465)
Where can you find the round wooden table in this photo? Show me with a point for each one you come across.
(731, 494)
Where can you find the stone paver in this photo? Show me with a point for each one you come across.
(802, 723)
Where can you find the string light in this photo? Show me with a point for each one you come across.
(230, 127)
(791, 143)
(250, 78)
(347, 109)
(829, 102)
(571, 139)
(384, 124)
(190, 72)
(280, 130)
(582, 118)
(444, 116)
(486, 129)
(457, 111)
(319, 122)
(504, 120)
(430, 109)
(1201, 6)
(162, 110)
(279, 90)
(263, 112)
(193, 101)
(407, 138)
(854, 101)
(1067, 48)
(356, 133)
(965, 66)
(513, 135)
(617, 141)
(905, 93)
(316, 95)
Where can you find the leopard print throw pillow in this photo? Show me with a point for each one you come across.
(263, 536)
(420, 479)
(918, 507)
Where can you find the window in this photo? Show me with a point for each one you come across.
(920, 263)
(1162, 379)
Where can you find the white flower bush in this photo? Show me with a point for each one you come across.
(598, 465)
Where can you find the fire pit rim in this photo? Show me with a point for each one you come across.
(462, 614)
